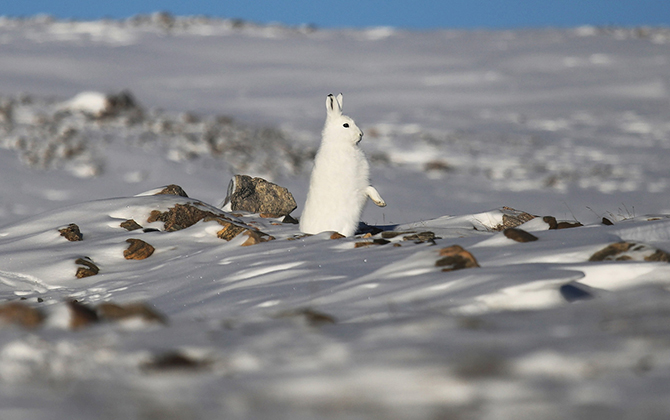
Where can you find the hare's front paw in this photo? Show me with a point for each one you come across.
(374, 196)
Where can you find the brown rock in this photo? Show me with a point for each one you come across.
(641, 252)
(172, 189)
(607, 222)
(290, 220)
(179, 217)
(313, 317)
(519, 235)
(182, 216)
(551, 221)
(71, 233)
(456, 258)
(20, 314)
(568, 225)
(81, 315)
(229, 231)
(175, 361)
(337, 235)
(659, 256)
(113, 312)
(138, 250)
(513, 218)
(256, 195)
(420, 237)
(611, 250)
(130, 225)
(89, 268)
(371, 243)
(255, 237)
(392, 234)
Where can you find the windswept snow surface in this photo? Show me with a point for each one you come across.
(568, 123)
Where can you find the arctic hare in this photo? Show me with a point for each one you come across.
(340, 181)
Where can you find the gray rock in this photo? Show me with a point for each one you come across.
(256, 195)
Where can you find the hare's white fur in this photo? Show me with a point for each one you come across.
(340, 181)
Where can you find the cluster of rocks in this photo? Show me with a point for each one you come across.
(52, 134)
(79, 315)
(178, 217)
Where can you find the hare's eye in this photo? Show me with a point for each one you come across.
(346, 125)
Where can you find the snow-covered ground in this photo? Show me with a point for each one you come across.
(573, 124)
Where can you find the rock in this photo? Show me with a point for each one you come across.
(172, 189)
(626, 251)
(420, 237)
(81, 315)
(568, 225)
(20, 314)
(659, 256)
(610, 251)
(573, 292)
(180, 217)
(229, 231)
(607, 222)
(256, 195)
(255, 237)
(553, 224)
(130, 225)
(175, 360)
(456, 258)
(513, 218)
(138, 250)
(374, 242)
(337, 235)
(71, 233)
(290, 220)
(89, 268)
(392, 234)
(112, 312)
(100, 105)
(519, 235)
(551, 221)
(120, 102)
(313, 317)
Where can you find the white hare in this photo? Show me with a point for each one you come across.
(340, 181)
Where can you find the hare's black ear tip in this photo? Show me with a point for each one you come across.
(330, 95)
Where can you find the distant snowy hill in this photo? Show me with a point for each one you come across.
(453, 305)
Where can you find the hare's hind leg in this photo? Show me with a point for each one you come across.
(374, 196)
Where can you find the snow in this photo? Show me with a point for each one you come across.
(458, 124)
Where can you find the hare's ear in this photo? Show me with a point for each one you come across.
(333, 106)
(339, 101)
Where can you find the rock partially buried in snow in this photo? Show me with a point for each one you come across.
(81, 316)
(89, 268)
(21, 314)
(138, 250)
(256, 195)
(130, 225)
(519, 235)
(99, 105)
(114, 312)
(513, 218)
(630, 251)
(456, 258)
(182, 216)
(71, 233)
(172, 189)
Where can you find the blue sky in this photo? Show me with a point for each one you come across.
(415, 14)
